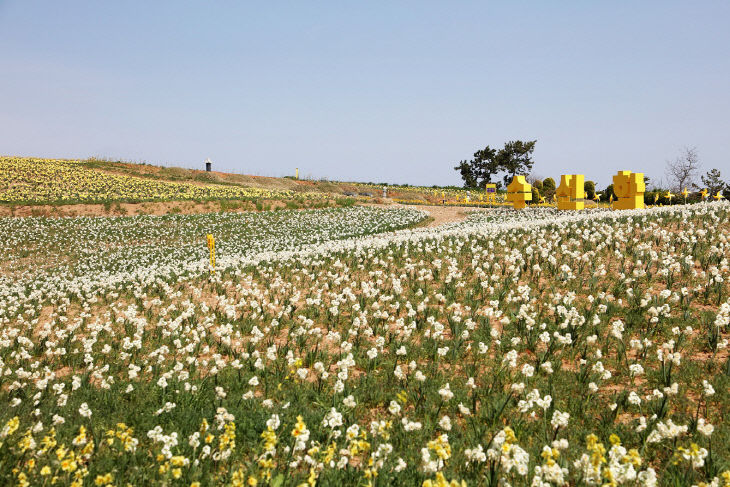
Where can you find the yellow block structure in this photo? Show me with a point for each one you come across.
(491, 193)
(629, 188)
(571, 192)
(519, 192)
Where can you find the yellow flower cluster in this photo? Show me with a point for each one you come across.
(440, 481)
(440, 446)
(30, 180)
(124, 434)
(49, 460)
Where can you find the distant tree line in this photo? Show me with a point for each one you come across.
(516, 158)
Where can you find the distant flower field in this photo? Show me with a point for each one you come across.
(29, 180)
(340, 347)
(426, 194)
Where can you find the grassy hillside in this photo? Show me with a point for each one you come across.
(33, 181)
(404, 192)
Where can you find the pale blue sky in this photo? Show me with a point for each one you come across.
(370, 91)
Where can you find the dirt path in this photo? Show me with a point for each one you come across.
(442, 214)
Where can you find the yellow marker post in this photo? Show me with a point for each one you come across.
(570, 193)
(519, 192)
(629, 188)
(211, 248)
(296, 173)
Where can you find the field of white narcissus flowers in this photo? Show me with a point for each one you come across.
(345, 347)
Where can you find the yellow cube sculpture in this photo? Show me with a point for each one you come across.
(570, 193)
(519, 192)
(629, 188)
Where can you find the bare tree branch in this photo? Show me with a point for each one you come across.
(682, 171)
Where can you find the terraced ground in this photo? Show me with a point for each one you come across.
(93, 187)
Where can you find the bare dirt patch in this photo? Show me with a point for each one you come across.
(114, 209)
(143, 208)
(442, 214)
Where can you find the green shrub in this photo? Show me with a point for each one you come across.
(535, 195)
(590, 189)
(345, 202)
(548, 187)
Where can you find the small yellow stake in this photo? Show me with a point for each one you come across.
(211, 247)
